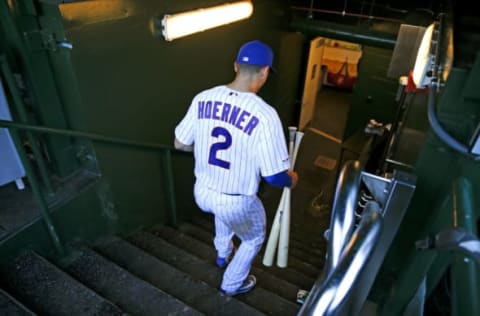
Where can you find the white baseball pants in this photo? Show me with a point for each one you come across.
(241, 215)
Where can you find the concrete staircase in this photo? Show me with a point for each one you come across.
(159, 271)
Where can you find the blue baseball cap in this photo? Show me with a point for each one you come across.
(255, 53)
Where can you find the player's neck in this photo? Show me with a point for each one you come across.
(241, 84)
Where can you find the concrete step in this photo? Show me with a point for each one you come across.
(44, 288)
(9, 306)
(169, 279)
(261, 299)
(292, 273)
(132, 294)
(297, 253)
(313, 244)
(206, 252)
(162, 271)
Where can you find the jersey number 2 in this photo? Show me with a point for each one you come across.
(221, 145)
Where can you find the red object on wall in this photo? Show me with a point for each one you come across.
(411, 86)
(342, 78)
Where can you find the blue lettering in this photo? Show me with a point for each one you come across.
(231, 114)
(234, 115)
(242, 118)
(215, 110)
(251, 125)
(226, 111)
(208, 109)
(201, 107)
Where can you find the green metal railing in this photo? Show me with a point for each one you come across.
(350, 33)
(453, 244)
(14, 128)
(20, 108)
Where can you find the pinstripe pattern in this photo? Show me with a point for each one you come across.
(262, 153)
(243, 215)
(238, 138)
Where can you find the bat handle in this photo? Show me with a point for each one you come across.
(283, 242)
(291, 132)
(298, 140)
(291, 136)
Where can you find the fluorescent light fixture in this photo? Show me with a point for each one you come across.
(424, 60)
(186, 23)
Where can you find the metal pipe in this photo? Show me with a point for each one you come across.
(433, 88)
(92, 136)
(466, 260)
(22, 113)
(101, 138)
(37, 193)
(420, 263)
(344, 13)
(345, 32)
(343, 213)
(437, 128)
(29, 46)
(327, 298)
(459, 240)
(170, 188)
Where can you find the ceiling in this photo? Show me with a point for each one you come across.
(462, 16)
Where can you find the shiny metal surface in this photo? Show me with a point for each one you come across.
(453, 239)
(343, 213)
(327, 297)
(354, 258)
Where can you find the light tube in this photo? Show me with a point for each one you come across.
(424, 59)
(190, 22)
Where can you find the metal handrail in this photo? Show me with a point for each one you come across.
(342, 224)
(456, 239)
(354, 259)
(14, 126)
(37, 193)
(329, 295)
(87, 135)
(343, 213)
(22, 114)
(451, 247)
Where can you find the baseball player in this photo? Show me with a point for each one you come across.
(236, 138)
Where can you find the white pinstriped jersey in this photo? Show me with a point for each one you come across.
(237, 139)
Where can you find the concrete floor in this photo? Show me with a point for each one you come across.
(19, 208)
(317, 164)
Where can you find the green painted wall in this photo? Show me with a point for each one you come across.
(374, 94)
(436, 201)
(121, 81)
(438, 166)
(136, 86)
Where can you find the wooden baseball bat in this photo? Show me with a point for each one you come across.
(272, 242)
(292, 130)
(284, 238)
(274, 233)
(298, 140)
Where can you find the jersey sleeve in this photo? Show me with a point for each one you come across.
(272, 152)
(184, 129)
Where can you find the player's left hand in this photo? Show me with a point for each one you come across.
(294, 176)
